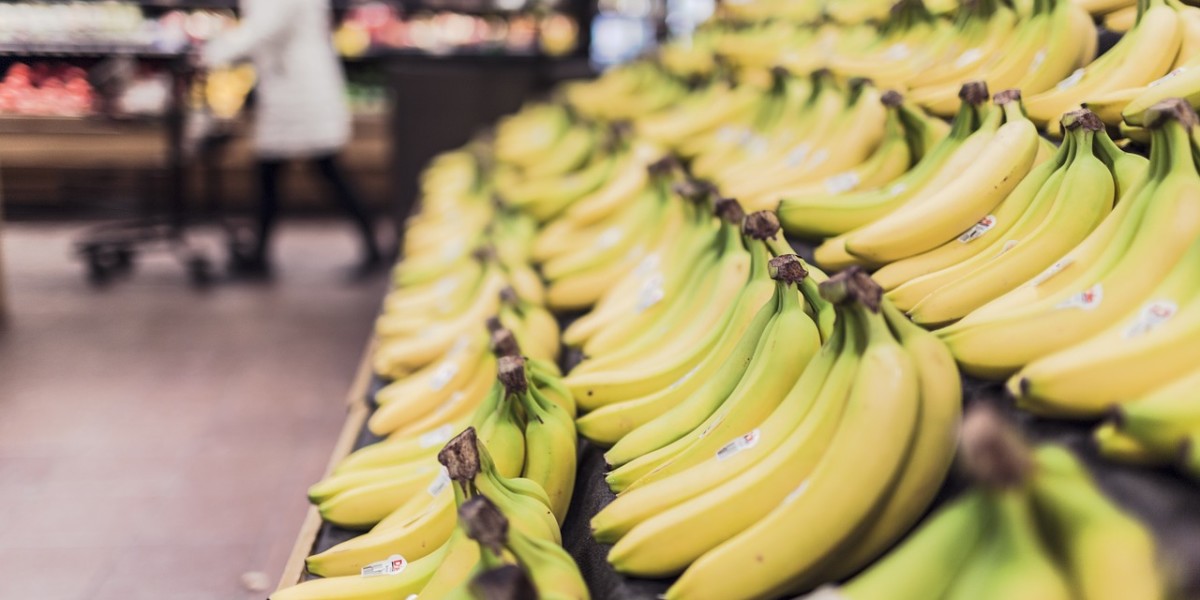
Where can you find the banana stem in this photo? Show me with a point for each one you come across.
(993, 452)
(484, 523)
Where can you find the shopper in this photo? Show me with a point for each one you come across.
(301, 111)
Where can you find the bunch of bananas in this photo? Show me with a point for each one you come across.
(1054, 330)
(1047, 214)
(984, 169)
(430, 551)
(705, 298)
(774, 506)
(608, 233)
(877, 138)
(1034, 526)
(526, 416)
(838, 212)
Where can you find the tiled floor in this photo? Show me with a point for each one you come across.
(155, 442)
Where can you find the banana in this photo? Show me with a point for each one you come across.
(1108, 554)
(1144, 344)
(788, 344)
(799, 429)
(1112, 444)
(1085, 198)
(718, 105)
(571, 152)
(531, 133)
(461, 557)
(612, 423)
(1115, 287)
(552, 570)
(1189, 456)
(925, 565)
(826, 214)
(686, 241)
(922, 226)
(910, 280)
(860, 130)
(549, 437)
(823, 509)
(684, 417)
(413, 538)
(1162, 419)
(461, 403)
(932, 452)
(365, 504)
(1103, 7)
(410, 580)
(1146, 53)
(596, 389)
(1018, 563)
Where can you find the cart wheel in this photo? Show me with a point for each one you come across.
(200, 271)
(98, 273)
(123, 259)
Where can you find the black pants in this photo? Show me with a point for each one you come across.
(269, 171)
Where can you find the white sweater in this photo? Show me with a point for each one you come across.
(301, 87)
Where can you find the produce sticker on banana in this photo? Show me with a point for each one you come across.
(744, 442)
(1150, 317)
(1088, 299)
(393, 565)
(983, 226)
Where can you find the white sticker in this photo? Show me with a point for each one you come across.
(757, 145)
(446, 286)
(819, 157)
(1170, 75)
(439, 484)
(454, 248)
(897, 189)
(1009, 245)
(842, 182)
(460, 344)
(437, 437)
(1087, 299)
(648, 265)
(443, 375)
(609, 238)
(394, 565)
(968, 57)
(1152, 315)
(798, 154)
(744, 442)
(983, 226)
(1038, 59)
(898, 51)
(682, 380)
(651, 293)
(1071, 81)
(1050, 271)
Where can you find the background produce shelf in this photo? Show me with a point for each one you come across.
(1168, 502)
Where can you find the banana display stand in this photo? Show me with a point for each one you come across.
(1164, 500)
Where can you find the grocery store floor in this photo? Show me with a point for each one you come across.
(155, 443)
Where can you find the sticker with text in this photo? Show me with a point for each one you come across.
(1086, 300)
(744, 442)
(394, 565)
(439, 484)
(1150, 317)
(983, 226)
